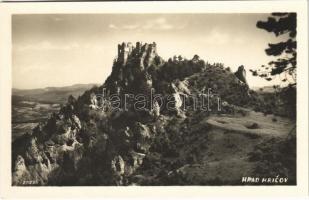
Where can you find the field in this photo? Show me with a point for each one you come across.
(30, 107)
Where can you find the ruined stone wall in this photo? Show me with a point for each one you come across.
(144, 53)
(124, 50)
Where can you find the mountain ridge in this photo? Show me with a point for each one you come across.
(74, 86)
(88, 142)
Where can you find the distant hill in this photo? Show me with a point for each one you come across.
(50, 94)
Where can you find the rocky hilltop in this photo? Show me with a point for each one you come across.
(90, 141)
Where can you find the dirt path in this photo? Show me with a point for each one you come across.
(254, 123)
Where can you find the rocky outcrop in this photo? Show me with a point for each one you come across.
(20, 172)
(33, 166)
(141, 54)
(131, 67)
(124, 50)
(241, 74)
(176, 99)
(155, 111)
(51, 148)
(93, 101)
(83, 144)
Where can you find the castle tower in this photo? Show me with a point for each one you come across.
(154, 48)
(124, 50)
(144, 53)
(138, 47)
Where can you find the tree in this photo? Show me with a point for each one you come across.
(281, 24)
(195, 57)
(179, 58)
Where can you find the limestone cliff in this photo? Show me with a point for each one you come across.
(241, 74)
(85, 143)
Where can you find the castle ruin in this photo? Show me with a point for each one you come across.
(144, 52)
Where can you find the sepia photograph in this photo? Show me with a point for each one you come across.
(155, 99)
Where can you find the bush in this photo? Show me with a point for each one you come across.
(276, 157)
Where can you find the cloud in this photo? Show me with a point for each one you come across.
(154, 24)
(112, 26)
(219, 37)
(57, 19)
(130, 27)
(158, 24)
(45, 45)
(239, 40)
(216, 37)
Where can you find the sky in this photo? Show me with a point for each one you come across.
(65, 49)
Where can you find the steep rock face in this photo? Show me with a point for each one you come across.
(20, 170)
(241, 74)
(132, 64)
(51, 147)
(87, 143)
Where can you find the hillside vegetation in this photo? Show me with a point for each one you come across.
(87, 142)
